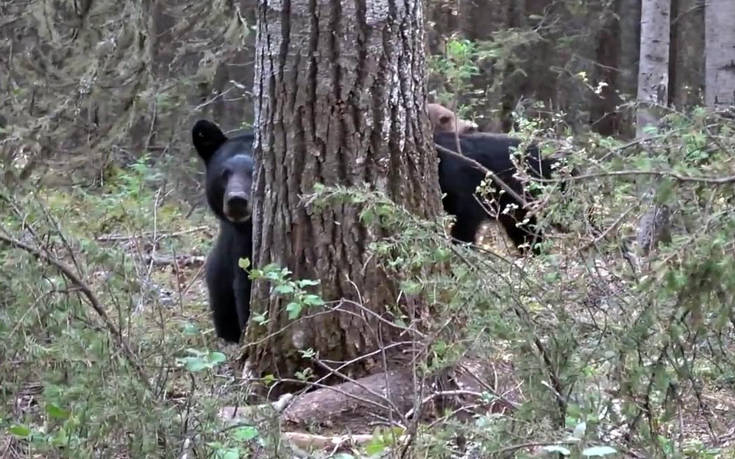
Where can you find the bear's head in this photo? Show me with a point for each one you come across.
(229, 164)
(444, 120)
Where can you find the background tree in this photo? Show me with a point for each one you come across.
(653, 87)
(686, 70)
(653, 65)
(720, 63)
(340, 101)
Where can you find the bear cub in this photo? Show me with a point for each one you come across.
(459, 179)
(229, 176)
(444, 120)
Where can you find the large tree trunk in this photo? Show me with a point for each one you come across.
(340, 100)
(653, 83)
(719, 18)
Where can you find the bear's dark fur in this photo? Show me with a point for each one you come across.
(229, 176)
(459, 180)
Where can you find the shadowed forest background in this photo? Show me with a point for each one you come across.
(590, 349)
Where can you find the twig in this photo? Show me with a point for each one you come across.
(122, 237)
(490, 389)
(179, 260)
(335, 389)
(533, 444)
(309, 441)
(91, 298)
(194, 279)
(682, 178)
(606, 232)
(444, 393)
(363, 387)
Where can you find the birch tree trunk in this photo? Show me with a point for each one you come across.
(719, 18)
(340, 100)
(653, 84)
(653, 64)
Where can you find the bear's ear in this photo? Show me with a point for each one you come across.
(207, 138)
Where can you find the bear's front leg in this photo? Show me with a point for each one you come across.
(242, 297)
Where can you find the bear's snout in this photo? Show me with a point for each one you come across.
(237, 206)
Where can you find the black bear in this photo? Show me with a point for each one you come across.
(459, 179)
(229, 175)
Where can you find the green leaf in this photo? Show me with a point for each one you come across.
(284, 289)
(308, 353)
(664, 191)
(195, 352)
(227, 453)
(376, 446)
(199, 361)
(243, 263)
(313, 300)
(194, 365)
(596, 451)
(411, 287)
(20, 431)
(245, 433)
(217, 357)
(191, 329)
(557, 449)
(294, 310)
(55, 412)
(650, 129)
(260, 319)
(61, 438)
(579, 430)
(307, 283)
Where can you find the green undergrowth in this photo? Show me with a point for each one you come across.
(69, 387)
(590, 348)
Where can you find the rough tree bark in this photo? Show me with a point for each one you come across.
(653, 83)
(687, 60)
(719, 52)
(340, 100)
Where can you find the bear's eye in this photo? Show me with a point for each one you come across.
(226, 174)
(445, 119)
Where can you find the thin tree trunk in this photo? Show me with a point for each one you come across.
(719, 18)
(653, 65)
(687, 42)
(629, 12)
(653, 83)
(340, 100)
(605, 118)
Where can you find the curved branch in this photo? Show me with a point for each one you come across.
(89, 295)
